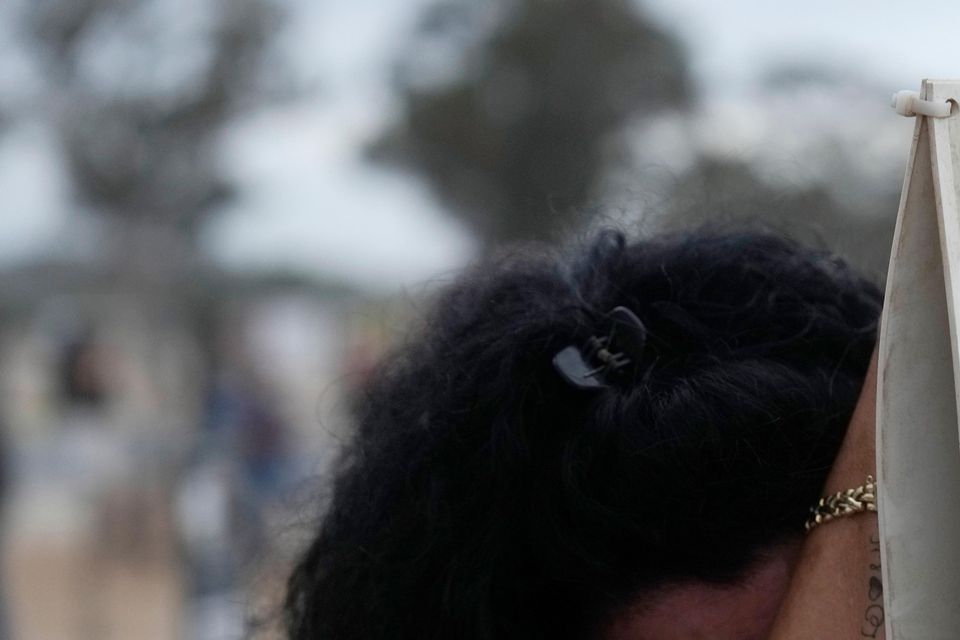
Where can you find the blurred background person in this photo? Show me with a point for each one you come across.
(217, 213)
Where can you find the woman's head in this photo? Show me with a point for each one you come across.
(483, 496)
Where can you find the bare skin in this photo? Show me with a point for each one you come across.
(700, 611)
(836, 591)
(825, 587)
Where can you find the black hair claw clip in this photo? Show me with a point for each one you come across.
(605, 356)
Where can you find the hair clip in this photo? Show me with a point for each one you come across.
(602, 357)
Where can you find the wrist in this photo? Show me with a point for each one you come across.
(857, 457)
(846, 503)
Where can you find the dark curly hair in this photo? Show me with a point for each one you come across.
(484, 497)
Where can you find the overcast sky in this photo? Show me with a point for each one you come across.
(309, 202)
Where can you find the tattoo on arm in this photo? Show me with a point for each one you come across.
(872, 624)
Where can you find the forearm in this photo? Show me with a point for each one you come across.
(836, 589)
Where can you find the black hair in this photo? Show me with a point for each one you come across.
(484, 497)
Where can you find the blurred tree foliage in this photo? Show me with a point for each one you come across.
(137, 93)
(514, 142)
(138, 98)
(721, 191)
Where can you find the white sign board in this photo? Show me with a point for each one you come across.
(918, 446)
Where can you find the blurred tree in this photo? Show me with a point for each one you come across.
(514, 142)
(720, 191)
(142, 89)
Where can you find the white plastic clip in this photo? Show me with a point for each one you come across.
(908, 103)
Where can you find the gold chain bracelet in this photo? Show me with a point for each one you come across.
(844, 503)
